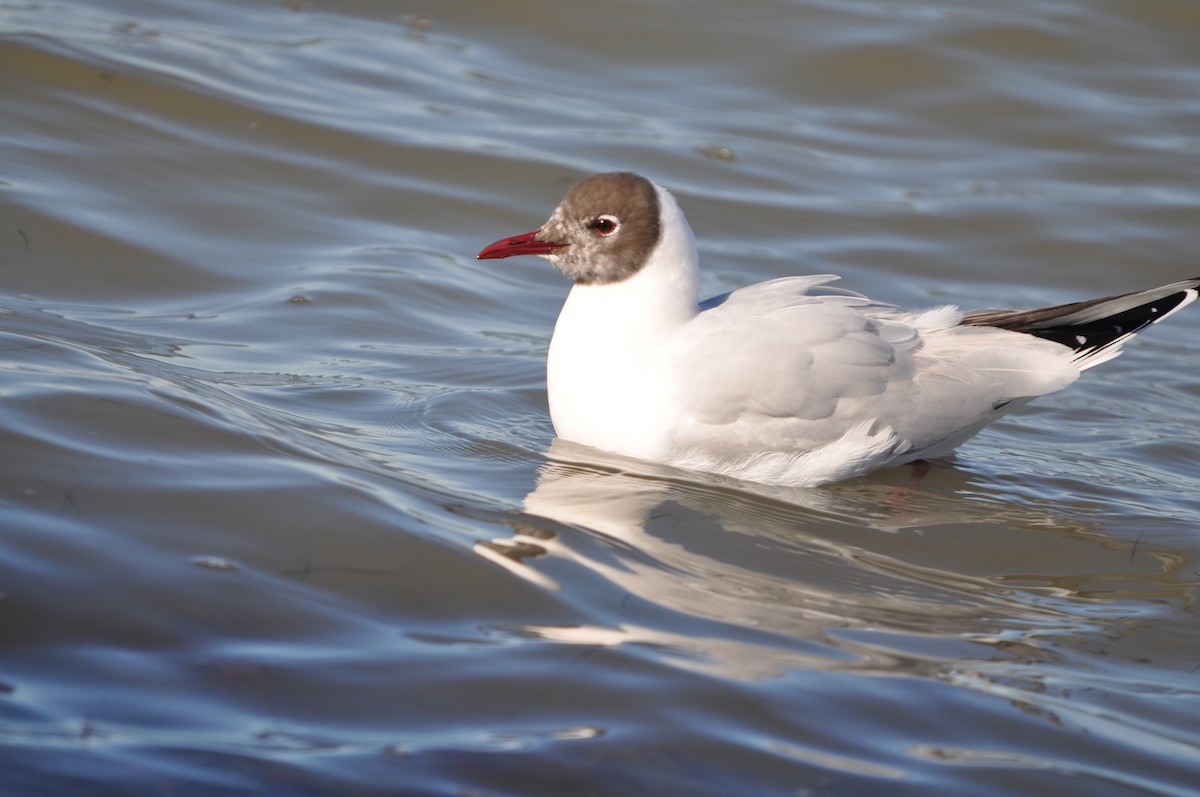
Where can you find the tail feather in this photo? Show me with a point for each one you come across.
(1095, 329)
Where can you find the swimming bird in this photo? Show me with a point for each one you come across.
(791, 381)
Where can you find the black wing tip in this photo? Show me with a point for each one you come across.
(1078, 326)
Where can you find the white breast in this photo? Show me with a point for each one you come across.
(606, 364)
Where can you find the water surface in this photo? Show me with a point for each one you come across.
(280, 507)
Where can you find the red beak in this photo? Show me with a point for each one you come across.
(523, 244)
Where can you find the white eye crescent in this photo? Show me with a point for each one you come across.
(605, 225)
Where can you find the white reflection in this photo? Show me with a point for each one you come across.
(749, 581)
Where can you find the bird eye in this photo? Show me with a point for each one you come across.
(605, 225)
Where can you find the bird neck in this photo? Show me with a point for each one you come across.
(664, 293)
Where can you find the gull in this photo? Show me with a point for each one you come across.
(793, 381)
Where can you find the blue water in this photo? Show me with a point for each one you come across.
(280, 507)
